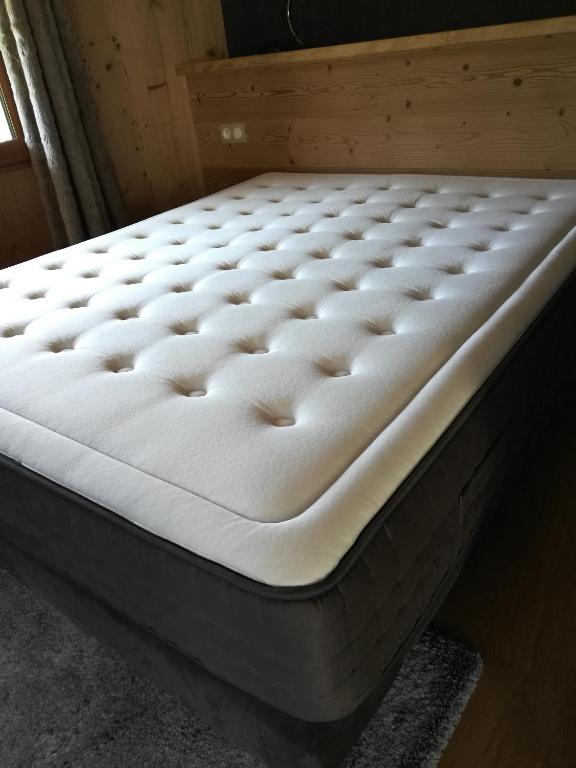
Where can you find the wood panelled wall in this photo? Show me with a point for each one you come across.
(493, 100)
(24, 231)
(131, 48)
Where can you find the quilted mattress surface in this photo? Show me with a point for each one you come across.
(251, 376)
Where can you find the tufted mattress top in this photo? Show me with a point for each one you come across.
(251, 376)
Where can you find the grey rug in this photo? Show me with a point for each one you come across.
(67, 702)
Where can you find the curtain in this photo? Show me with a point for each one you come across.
(61, 126)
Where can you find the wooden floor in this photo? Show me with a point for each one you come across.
(516, 603)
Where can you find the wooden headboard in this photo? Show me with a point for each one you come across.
(494, 100)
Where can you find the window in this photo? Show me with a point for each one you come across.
(5, 128)
(13, 150)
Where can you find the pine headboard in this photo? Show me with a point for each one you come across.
(495, 100)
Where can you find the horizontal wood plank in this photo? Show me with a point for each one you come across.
(431, 141)
(459, 37)
(490, 76)
(501, 105)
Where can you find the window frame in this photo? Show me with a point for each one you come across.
(12, 153)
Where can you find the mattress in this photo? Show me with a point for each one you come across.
(219, 402)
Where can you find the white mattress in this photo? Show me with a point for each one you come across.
(251, 376)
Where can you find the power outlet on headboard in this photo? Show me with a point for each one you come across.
(233, 133)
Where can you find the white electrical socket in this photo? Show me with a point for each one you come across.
(233, 133)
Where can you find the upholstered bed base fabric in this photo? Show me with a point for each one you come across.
(279, 740)
(318, 653)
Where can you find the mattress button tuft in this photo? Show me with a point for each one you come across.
(119, 365)
(183, 330)
(383, 263)
(126, 314)
(8, 333)
(284, 421)
(378, 330)
(61, 346)
(344, 286)
(304, 314)
(237, 300)
(422, 295)
(320, 253)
